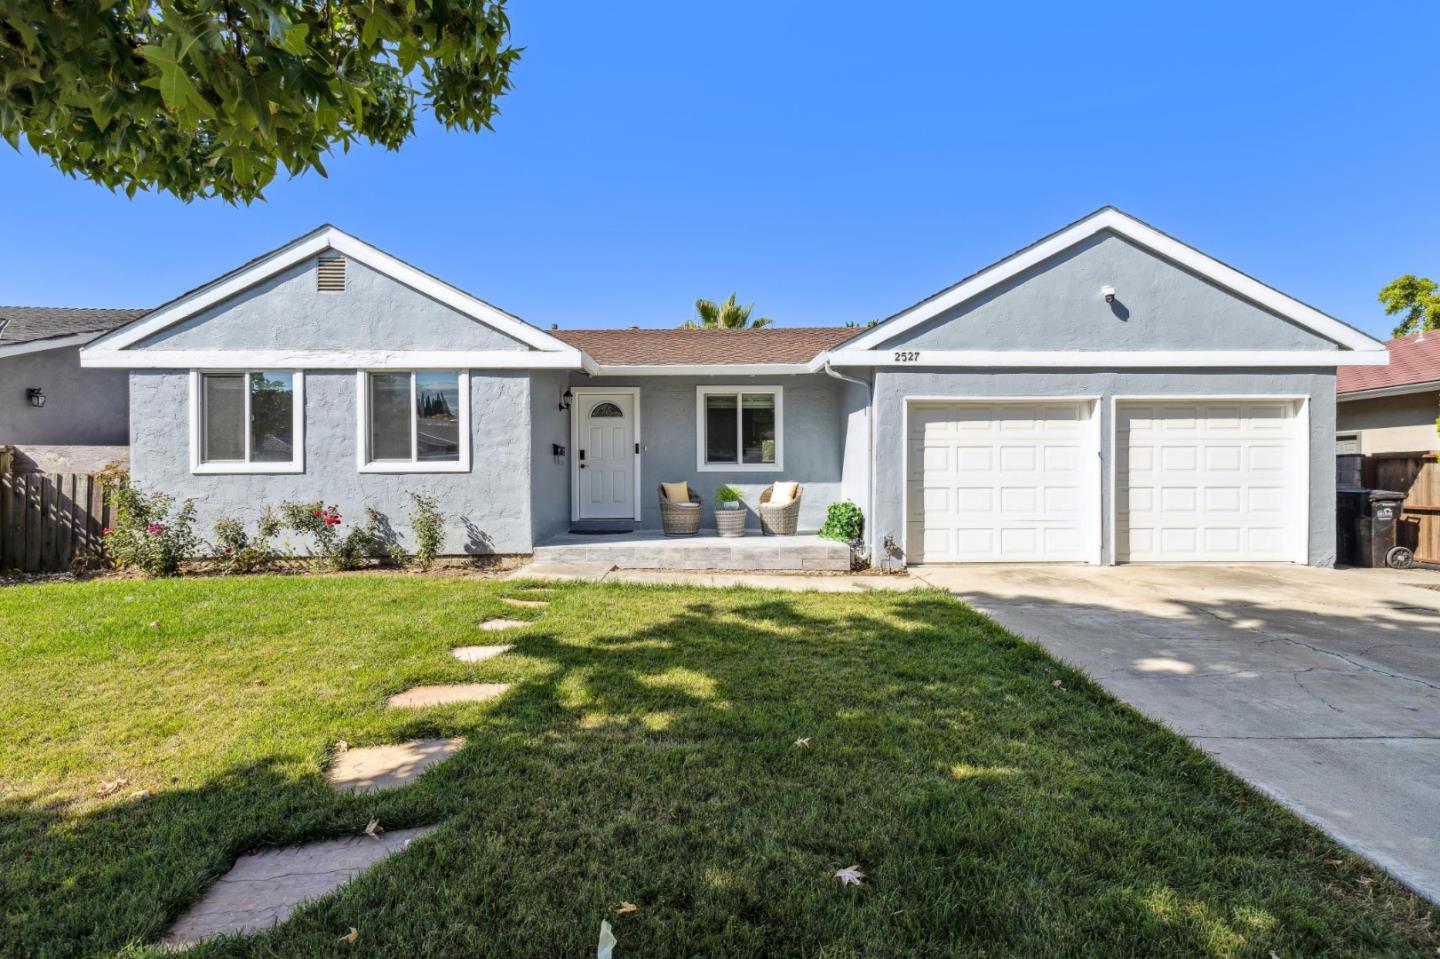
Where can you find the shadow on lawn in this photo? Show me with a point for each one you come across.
(658, 764)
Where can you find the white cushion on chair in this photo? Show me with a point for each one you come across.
(782, 493)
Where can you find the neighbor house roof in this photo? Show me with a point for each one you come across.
(28, 324)
(1414, 362)
(682, 347)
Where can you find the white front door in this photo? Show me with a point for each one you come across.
(1003, 482)
(605, 455)
(1209, 481)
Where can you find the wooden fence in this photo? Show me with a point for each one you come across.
(1417, 475)
(51, 522)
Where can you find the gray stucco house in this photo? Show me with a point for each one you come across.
(57, 416)
(1395, 408)
(1105, 395)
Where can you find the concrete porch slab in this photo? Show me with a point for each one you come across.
(264, 888)
(652, 549)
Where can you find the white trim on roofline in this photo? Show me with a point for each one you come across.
(569, 359)
(52, 343)
(1108, 358)
(1402, 389)
(311, 245)
(1145, 235)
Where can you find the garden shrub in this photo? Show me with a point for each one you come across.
(428, 525)
(237, 552)
(843, 522)
(336, 551)
(145, 535)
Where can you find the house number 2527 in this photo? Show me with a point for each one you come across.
(907, 356)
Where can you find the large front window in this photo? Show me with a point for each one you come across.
(247, 421)
(416, 421)
(739, 428)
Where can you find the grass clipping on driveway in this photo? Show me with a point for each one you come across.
(646, 754)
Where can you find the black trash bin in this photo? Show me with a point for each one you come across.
(1366, 523)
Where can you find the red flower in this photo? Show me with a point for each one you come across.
(229, 550)
(154, 529)
(319, 512)
(106, 531)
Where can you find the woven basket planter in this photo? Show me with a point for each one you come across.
(730, 522)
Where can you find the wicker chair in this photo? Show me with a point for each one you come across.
(781, 519)
(680, 519)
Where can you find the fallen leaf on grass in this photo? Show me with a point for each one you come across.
(1057, 684)
(145, 793)
(1335, 862)
(111, 788)
(155, 624)
(625, 907)
(1365, 881)
(1273, 955)
(374, 829)
(607, 942)
(850, 876)
(803, 742)
(342, 746)
(351, 936)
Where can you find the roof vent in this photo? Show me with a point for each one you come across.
(330, 274)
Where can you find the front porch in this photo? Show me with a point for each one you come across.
(651, 549)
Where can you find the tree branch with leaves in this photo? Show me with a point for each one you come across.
(728, 315)
(210, 98)
(1414, 296)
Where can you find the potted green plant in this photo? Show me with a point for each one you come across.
(729, 512)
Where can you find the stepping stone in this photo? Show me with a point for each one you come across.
(388, 767)
(495, 625)
(264, 888)
(474, 654)
(443, 695)
(528, 603)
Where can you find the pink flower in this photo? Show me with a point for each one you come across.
(154, 529)
(229, 550)
(106, 531)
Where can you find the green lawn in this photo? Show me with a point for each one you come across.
(644, 754)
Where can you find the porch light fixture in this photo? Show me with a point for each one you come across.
(565, 399)
(1109, 293)
(36, 396)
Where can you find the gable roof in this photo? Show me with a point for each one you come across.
(1414, 363)
(28, 329)
(1347, 337)
(112, 349)
(683, 347)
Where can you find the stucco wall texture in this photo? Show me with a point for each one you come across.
(1392, 424)
(892, 386)
(1057, 305)
(486, 510)
(82, 406)
(373, 313)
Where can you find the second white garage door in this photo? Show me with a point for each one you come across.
(1002, 482)
(1209, 481)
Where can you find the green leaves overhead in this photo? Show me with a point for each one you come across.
(210, 98)
(1414, 296)
(728, 315)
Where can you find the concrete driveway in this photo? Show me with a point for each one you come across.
(1321, 687)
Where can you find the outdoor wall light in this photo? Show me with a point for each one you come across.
(565, 399)
(36, 396)
(1109, 293)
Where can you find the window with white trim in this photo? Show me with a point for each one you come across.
(247, 421)
(739, 428)
(415, 421)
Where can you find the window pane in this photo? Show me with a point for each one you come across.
(390, 416)
(272, 417)
(757, 427)
(437, 413)
(720, 429)
(222, 423)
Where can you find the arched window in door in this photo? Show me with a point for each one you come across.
(605, 411)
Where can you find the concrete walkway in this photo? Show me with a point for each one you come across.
(1321, 687)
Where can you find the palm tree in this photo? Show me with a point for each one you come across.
(724, 316)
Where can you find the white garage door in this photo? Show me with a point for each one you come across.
(1002, 482)
(1209, 482)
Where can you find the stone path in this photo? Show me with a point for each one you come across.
(475, 654)
(496, 625)
(442, 695)
(582, 572)
(265, 888)
(388, 767)
(527, 603)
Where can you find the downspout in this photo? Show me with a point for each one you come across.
(869, 457)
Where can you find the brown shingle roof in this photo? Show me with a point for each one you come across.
(795, 344)
(25, 324)
(1412, 360)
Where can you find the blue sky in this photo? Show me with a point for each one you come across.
(837, 161)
